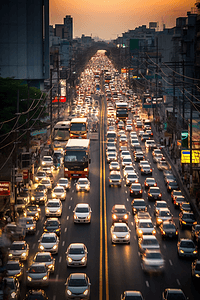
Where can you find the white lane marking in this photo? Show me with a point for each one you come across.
(65, 229)
(72, 191)
(33, 246)
(147, 283)
(149, 206)
(126, 192)
(37, 233)
(178, 281)
(67, 217)
(71, 198)
(170, 262)
(127, 199)
(132, 223)
(57, 277)
(135, 238)
(164, 246)
(42, 219)
(125, 185)
(70, 207)
(63, 243)
(60, 259)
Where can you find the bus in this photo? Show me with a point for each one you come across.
(61, 134)
(121, 111)
(78, 128)
(77, 158)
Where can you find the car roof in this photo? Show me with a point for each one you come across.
(78, 275)
(120, 224)
(82, 205)
(119, 206)
(76, 245)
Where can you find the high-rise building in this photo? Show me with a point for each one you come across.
(24, 42)
(65, 31)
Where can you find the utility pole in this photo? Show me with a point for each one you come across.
(183, 66)
(28, 131)
(51, 120)
(58, 91)
(191, 108)
(156, 75)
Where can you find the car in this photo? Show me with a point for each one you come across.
(129, 295)
(64, 182)
(143, 163)
(128, 127)
(47, 259)
(138, 205)
(47, 161)
(163, 214)
(119, 213)
(52, 225)
(154, 193)
(187, 219)
(83, 184)
(127, 170)
(159, 205)
(111, 150)
(146, 169)
(133, 134)
(120, 125)
(150, 145)
(30, 224)
(36, 294)
(163, 165)
(114, 166)
(185, 206)
(168, 178)
(115, 178)
(145, 227)
(195, 234)
(59, 192)
(77, 286)
(76, 255)
(33, 211)
(123, 140)
(127, 161)
(149, 181)
(175, 193)
(157, 157)
(37, 275)
(152, 261)
(135, 143)
(49, 242)
(53, 207)
(121, 132)
(47, 182)
(112, 157)
(148, 242)
(156, 151)
(82, 213)
(141, 215)
(145, 137)
(138, 156)
(136, 190)
(39, 196)
(131, 178)
(173, 294)
(195, 270)
(187, 248)
(14, 268)
(178, 200)
(18, 250)
(168, 229)
(172, 185)
(39, 176)
(120, 233)
(140, 133)
(14, 288)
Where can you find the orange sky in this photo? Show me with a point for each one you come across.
(108, 19)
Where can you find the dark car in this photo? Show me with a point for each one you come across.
(130, 295)
(185, 206)
(149, 181)
(138, 156)
(172, 185)
(173, 294)
(52, 225)
(169, 178)
(119, 213)
(138, 205)
(154, 193)
(39, 197)
(187, 219)
(169, 230)
(37, 294)
(136, 190)
(196, 270)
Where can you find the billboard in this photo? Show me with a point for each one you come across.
(185, 156)
(4, 188)
(61, 99)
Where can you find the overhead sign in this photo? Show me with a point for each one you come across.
(4, 188)
(185, 156)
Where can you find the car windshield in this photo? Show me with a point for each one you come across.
(146, 225)
(165, 213)
(175, 296)
(53, 204)
(120, 229)
(76, 251)
(152, 191)
(13, 266)
(51, 223)
(187, 244)
(136, 187)
(168, 226)
(82, 209)
(138, 297)
(82, 182)
(43, 258)
(17, 247)
(139, 203)
(32, 208)
(29, 221)
(48, 239)
(119, 211)
(153, 255)
(62, 181)
(39, 174)
(162, 205)
(150, 181)
(37, 269)
(58, 190)
(44, 181)
(132, 176)
(39, 194)
(150, 242)
(77, 282)
(189, 216)
(114, 176)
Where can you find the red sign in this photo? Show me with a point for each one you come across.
(61, 99)
(4, 188)
(25, 174)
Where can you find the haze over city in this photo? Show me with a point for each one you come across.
(109, 18)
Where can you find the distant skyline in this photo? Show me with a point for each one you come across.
(109, 19)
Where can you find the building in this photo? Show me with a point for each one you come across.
(24, 43)
(65, 31)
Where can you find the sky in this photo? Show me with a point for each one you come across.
(108, 19)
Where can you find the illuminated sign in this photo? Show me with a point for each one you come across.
(61, 99)
(4, 188)
(185, 156)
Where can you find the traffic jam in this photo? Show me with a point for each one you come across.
(53, 247)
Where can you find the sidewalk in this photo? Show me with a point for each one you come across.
(176, 168)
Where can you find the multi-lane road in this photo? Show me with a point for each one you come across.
(112, 268)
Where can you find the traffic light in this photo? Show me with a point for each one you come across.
(184, 139)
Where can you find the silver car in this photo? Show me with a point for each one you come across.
(53, 207)
(64, 182)
(18, 250)
(49, 242)
(120, 233)
(148, 242)
(15, 268)
(59, 192)
(30, 224)
(82, 213)
(83, 184)
(47, 259)
(77, 286)
(37, 274)
(152, 261)
(76, 255)
(187, 248)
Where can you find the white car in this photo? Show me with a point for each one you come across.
(124, 153)
(47, 182)
(76, 255)
(59, 192)
(83, 184)
(120, 233)
(126, 161)
(18, 250)
(128, 127)
(114, 166)
(131, 178)
(145, 226)
(82, 213)
(64, 182)
(152, 261)
(49, 242)
(47, 161)
(128, 169)
(53, 207)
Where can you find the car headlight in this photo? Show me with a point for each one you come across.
(32, 198)
(114, 236)
(29, 278)
(41, 247)
(140, 232)
(53, 195)
(83, 259)
(10, 255)
(86, 169)
(197, 275)
(159, 221)
(154, 231)
(24, 254)
(85, 292)
(181, 251)
(114, 217)
(150, 195)
(69, 259)
(78, 187)
(31, 228)
(195, 252)
(55, 247)
(69, 292)
(59, 210)
(66, 169)
(45, 277)
(183, 222)
(51, 266)
(47, 210)
(88, 217)
(43, 163)
(126, 217)
(127, 236)
(63, 195)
